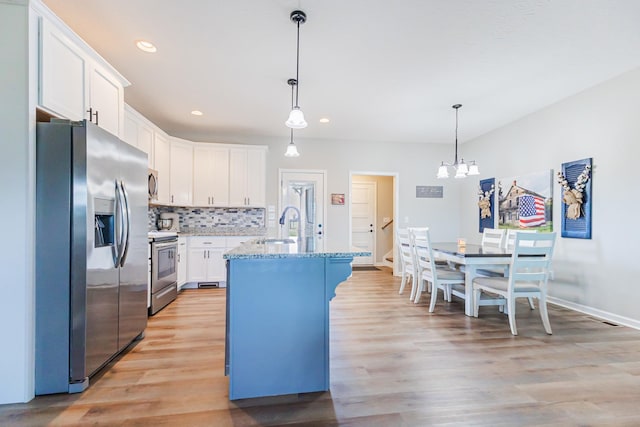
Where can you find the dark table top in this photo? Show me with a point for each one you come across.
(470, 250)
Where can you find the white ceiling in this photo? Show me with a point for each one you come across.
(381, 70)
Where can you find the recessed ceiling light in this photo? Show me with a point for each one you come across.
(146, 46)
(196, 112)
(324, 120)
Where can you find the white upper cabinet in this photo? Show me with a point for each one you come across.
(247, 177)
(210, 175)
(62, 73)
(181, 172)
(106, 101)
(138, 131)
(162, 163)
(74, 81)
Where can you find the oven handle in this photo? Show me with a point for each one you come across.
(162, 245)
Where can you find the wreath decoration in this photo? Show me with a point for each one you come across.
(484, 202)
(573, 197)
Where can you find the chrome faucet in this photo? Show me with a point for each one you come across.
(299, 219)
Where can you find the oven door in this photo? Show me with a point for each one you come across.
(164, 270)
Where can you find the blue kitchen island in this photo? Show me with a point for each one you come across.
(277, 330)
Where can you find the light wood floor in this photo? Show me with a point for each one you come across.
(392, 364)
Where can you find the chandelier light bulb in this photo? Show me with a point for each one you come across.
(473, 169)
(292, 150)
(462, 168)
(442, 172)
(296, 119)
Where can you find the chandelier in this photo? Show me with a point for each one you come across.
(461, 168)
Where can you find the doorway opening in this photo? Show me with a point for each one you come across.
(373, 209)
(303, 190)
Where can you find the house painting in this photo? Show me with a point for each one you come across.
(510, 206)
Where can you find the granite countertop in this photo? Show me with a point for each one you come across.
(311, 247)
(223, 231)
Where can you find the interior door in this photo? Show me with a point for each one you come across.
(305, 191)
(363, 220)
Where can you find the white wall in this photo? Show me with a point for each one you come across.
(600, 275)
(17, 122)
(416, 164)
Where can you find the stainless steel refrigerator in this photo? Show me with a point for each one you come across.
(91, 252)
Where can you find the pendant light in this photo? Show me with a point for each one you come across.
(461, 168)
(292, 150)
(296, 117)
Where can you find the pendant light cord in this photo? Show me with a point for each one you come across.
(297, 61)
(456, 159)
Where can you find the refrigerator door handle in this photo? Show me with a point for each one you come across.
(120, 221)
(127, 210)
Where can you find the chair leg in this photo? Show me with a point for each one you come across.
(419, 290)
(413, 287)
(434, 297)
(544, 315)
(403, 283)
(511, 306)
(531, 304)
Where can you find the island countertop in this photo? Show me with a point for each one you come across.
(310, 247)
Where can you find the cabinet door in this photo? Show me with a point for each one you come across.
(162, 163)
(197, 265)
(62, 74)
(181, 169)
(138, 133)
(203, 176)
(145, 141)
(237, 177)
(210, 176)
(182, 261)
(256, 171)
(106, 100)
(220, 184)
(216, 267)
(130, 134)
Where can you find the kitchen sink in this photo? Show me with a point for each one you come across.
(275, 241)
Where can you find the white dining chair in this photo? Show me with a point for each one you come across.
(493, 237)
(449, 280)
(510, 238)
(405, 253)
(420, 233)
(528, 276)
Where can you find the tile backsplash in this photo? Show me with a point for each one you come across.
(211, 217)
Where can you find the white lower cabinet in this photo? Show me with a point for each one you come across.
(205, 262)
(182, 261)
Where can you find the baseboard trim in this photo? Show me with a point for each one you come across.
(601, 314)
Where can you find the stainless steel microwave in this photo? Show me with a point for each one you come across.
(153, 184)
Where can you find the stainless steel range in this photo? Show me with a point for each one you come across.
(164, 269)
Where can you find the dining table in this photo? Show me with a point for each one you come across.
(473, 257)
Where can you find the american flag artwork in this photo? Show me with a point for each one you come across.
(531, 211)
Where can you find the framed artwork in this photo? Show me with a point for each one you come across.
(526, 201)
(337, 198)
(575, 180)
(486, 204)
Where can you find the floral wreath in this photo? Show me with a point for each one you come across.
(484, 202)
(573, 197)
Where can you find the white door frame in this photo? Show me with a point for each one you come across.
(324, 192)
(396, 208)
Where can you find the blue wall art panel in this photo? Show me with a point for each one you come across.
(486, 205)
(575, 181)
